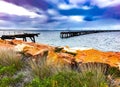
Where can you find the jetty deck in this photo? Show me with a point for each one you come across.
(83, 32)
(24, 36)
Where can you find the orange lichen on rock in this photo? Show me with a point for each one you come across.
(15, 42)
(59, 58)
(36, 49)
(64, 56)
(5, 44)
(92, 55)
(33, 50)
(29, 48)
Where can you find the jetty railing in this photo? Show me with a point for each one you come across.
(83, 32)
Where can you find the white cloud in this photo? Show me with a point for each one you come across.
(52, 12)
(76, 18)
(34, 9)
(86, 7)
(69, 18)
(100, 3)
(77, 1)
(106, 3)
(12, 9)
(67, 6)
(115, 27)
(64, 6)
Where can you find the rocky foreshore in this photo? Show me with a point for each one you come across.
(63, 54)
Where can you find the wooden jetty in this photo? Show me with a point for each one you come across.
(83, 32)
(23, 36)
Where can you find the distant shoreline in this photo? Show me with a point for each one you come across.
(55, 30)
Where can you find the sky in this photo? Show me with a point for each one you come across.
(60, 14)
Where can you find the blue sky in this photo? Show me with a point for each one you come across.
(60, 14)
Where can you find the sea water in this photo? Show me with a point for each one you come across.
(107, 41)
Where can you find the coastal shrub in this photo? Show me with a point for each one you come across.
(40, 70)
(114, 77)
(10, 81)
(7, 78)
(62, 79)
(9, 57)
(70, 79)
(113, 71)
(93, 79)
(94, 66)
(7, 70)
(10, 65)
(39, 67)
(90, 75)
(94, 74)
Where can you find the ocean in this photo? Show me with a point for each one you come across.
(107, 41)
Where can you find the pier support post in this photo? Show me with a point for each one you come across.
(24, 39)
(32, 39)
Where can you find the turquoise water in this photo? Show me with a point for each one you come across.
(101, 41)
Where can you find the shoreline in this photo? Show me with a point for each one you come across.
(64, 54)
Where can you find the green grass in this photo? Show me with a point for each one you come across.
(10, 64)
(7, 78)
(89, 75)
(69, 79)
(115, 72)
(7, 70)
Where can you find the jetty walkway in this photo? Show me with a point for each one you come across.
(24, 36)
(83, 32)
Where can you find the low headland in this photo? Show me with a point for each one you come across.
(28, 64)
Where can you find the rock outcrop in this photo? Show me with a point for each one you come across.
(63, 55)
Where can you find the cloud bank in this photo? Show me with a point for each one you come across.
(59, 14)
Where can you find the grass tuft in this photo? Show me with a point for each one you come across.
(9, 57)
(89, 75)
